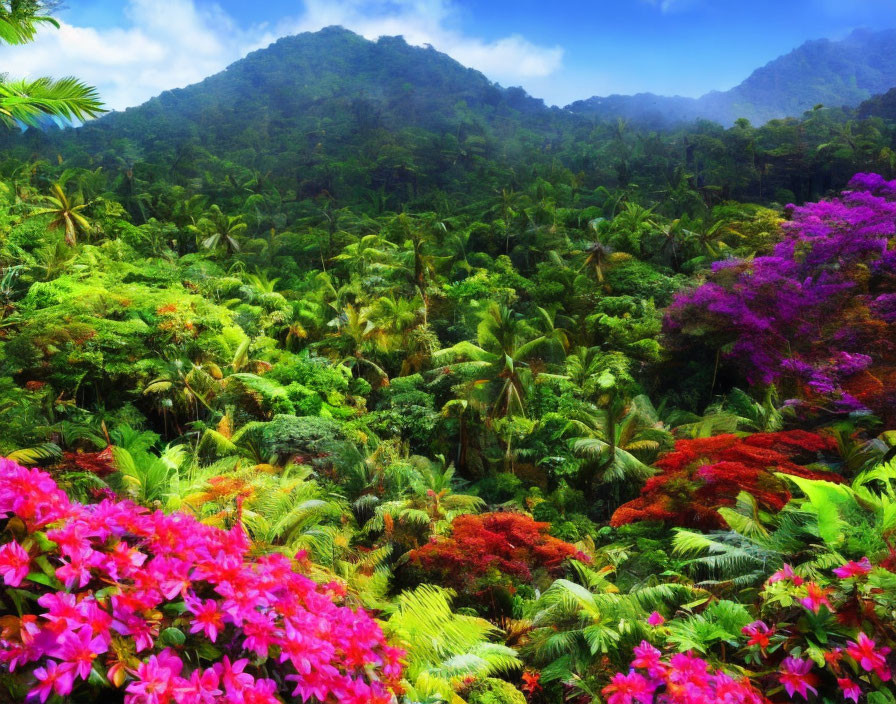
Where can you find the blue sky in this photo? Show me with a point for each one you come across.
(559, 51)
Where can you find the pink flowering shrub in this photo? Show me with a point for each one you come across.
(832, 640)
(683, 678)
(168, 610)
(832, 637)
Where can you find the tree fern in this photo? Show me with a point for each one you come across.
(445, 649)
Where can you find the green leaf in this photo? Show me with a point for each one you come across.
(172, 636)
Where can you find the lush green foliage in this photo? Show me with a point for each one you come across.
(388, 357)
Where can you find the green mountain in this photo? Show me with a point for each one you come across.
(332, 118)
(326, 112)
(832, 73)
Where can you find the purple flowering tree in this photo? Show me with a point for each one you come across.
(817, 316)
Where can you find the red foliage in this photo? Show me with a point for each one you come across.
(701, 475)
(491, 549)
(99, 463)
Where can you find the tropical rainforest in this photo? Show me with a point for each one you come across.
(349, 376)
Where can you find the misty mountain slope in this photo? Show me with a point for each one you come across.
(833, 73)
(312, 85)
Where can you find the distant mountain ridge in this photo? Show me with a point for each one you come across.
(833, 73)
(331, 79)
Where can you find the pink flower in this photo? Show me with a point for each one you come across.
(656, 619)
(261, 633)
(688, 670)
(79, 650)
(849, 688)
(131, 567)
(784, 574)
(76, 571)
(816, 598)
(853, 569)
(627, 689)
(127, 623)
(14, 563)
(52, 678)
(202, 688)
(648, 658)
(156, 679)
(208, 619)
(795, 675)
(62, 610)
(872, 659)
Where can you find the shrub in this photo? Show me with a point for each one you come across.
(493, 550)
(168, 610)
(704, 474)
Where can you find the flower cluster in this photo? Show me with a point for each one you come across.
(817, 314)
(825, 639)
(493, 549)
(700, 475)
(851, 657)
(170, 610)
(682, 679)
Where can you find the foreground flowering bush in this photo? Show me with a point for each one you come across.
(682, 679)
(704, 474)
(493, 550)
(818, 315)
(168, 609)
(825, 638)
(830, 637)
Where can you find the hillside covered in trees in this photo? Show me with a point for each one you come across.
(347, 375)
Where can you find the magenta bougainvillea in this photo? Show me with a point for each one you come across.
(168, 610)
(817, 315)
(682, 679)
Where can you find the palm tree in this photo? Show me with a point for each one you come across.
(599, 256)
(390, 320)
(428, 504)
(28, 102)
(498, 363)
(66, 212)
(617, 441)
(217, 229)
(353, 341)
(182, 388)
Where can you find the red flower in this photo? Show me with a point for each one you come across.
(760, 634)
(627, 689)
(872, 659)
(815, 598)
(530, 682)
(786, 573)
(850, 689)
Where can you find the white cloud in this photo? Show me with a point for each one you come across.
(510, 60)
(172, 43)
(670, 6)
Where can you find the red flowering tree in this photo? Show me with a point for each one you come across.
(700, 475)
(493, 550)
(168, 610)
